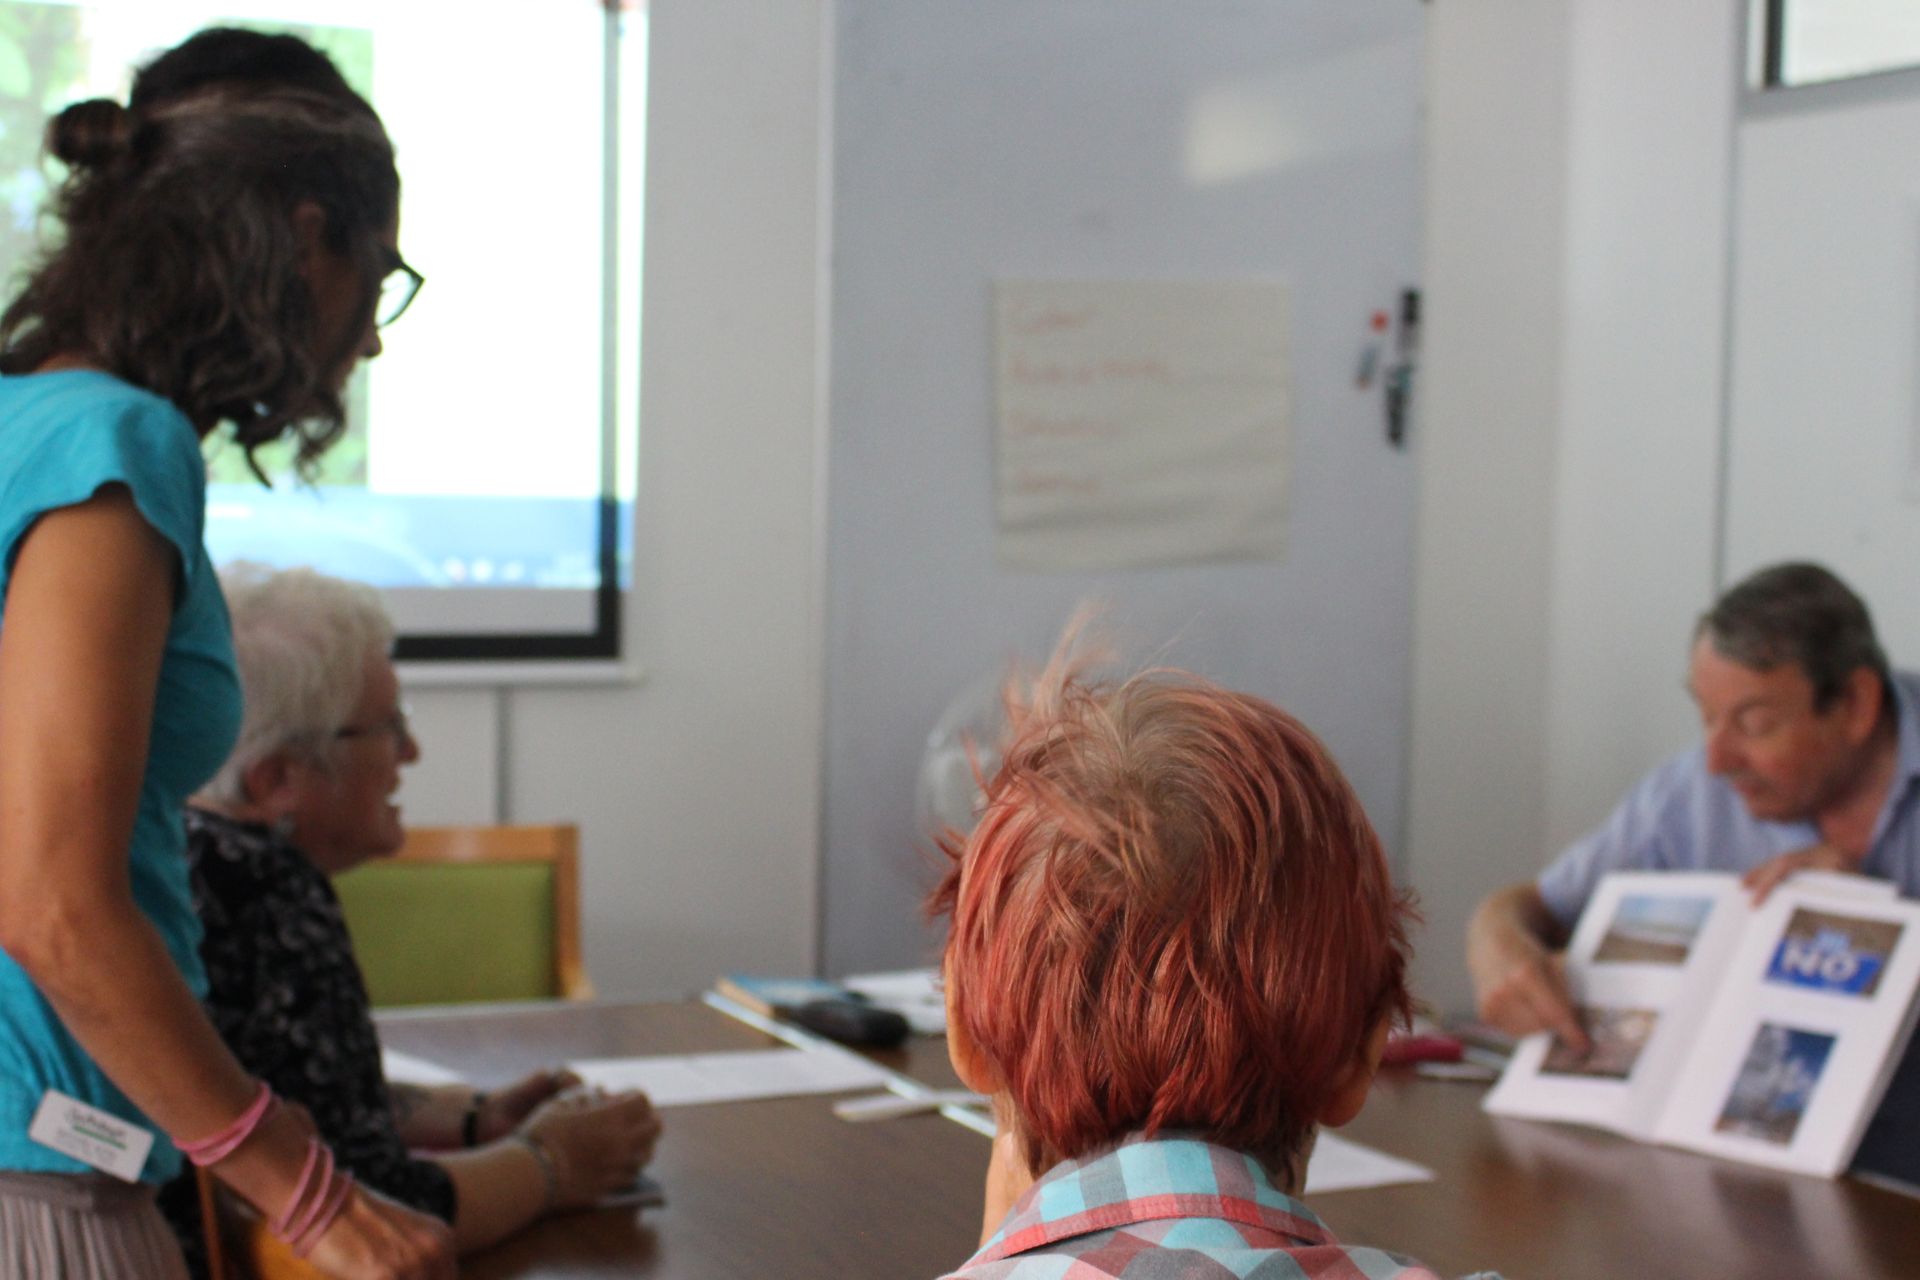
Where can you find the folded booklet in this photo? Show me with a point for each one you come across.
(1763, 1035)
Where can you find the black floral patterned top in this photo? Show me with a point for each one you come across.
(287, 996)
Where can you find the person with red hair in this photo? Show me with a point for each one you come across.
(1175, 951)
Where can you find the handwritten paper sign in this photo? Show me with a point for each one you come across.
(1140, 423)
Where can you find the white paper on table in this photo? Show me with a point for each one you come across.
(408, 1069)
(684, 1080)
(914, 994)
(1340, 1165)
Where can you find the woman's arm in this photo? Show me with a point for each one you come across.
(568, 1154)
(436, 1117)
(88, 608)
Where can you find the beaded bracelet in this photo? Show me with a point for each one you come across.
(470, 1122)
(218, 1146)
(547, 1172)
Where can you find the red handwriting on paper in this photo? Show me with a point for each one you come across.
(1054, 484)
(1037, 426)
(1049, 320)
(1085, 373)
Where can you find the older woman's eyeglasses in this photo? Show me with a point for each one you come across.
(397, 726)
(397, 289)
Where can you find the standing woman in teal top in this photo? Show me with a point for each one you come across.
(227, 252)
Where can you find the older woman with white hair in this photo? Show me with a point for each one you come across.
(306, 794)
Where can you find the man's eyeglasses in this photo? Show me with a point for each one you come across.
(397, 726)
(397, 289)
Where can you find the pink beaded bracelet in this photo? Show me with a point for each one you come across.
(217, 1147)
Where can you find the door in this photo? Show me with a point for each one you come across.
(1213, 141)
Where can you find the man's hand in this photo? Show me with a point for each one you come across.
(1763, 879)
(1519, 983)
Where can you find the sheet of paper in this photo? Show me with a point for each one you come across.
(914, 994)
(686, 1080)
(1340, 1165)
(1141, 422)
(407, 1068)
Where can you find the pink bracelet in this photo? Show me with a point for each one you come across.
(317, 1153)
(307, 1200)
(217, 1147)
(330, 1210)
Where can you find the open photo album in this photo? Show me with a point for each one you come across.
(1760, 1034)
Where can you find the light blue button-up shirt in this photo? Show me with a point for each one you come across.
(1682, 818)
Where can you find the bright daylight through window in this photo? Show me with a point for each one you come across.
(1811, 41)
(487, 476)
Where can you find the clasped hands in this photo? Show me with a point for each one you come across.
(598, 1141)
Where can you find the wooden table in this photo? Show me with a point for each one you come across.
(775, 1188)
(1557, 1202)
(782, 1188)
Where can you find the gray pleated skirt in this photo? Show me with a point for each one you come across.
(84, 1227)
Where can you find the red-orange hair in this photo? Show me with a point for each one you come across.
(1173, 913)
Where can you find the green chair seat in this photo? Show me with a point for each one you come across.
(449, 933)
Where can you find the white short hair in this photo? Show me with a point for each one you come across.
(302, 640)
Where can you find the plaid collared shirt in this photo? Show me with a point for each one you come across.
(1169, 1208)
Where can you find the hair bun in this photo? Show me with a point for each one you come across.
(88, 134)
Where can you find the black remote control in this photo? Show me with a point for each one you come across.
(852, 1022)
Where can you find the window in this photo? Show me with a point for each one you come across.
(1810, 41)
(487, 477)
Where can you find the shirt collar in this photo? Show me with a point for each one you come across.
(1142, 1179)
(1906, 764)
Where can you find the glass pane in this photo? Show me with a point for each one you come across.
(1836, 39)
(472, 479)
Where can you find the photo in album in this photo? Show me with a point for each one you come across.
(1775, 1084)
(1764, 1034)
(1617, 1036)
(1653, 929)
(1825, 951)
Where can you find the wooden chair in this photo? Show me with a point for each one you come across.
(464, 914)
(239, 1245)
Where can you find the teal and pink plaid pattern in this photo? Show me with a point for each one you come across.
(1170, 1208)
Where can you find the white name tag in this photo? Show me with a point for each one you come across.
(91, 1136)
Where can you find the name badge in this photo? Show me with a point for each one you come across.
(91, 1136)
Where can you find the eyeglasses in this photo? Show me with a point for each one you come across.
(397, 289)
(397, 726)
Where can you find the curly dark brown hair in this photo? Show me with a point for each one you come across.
(179, 269)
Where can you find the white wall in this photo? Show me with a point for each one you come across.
(1578, 179)
(1824, 458)
(1490, 380)
(1206, 140)
(1568, 444)
(697, 788)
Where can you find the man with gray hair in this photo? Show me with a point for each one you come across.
(1809, 757)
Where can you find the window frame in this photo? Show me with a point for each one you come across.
(1769, 52)
(604, 641)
